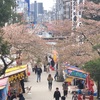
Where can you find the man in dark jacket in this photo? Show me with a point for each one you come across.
(39, 71)
(65, 88)
(22, 85)
(57, 94)
(21, 97)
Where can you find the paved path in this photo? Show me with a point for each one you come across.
(40, 90)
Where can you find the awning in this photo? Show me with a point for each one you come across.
(14, 70)
(69, 79)
(75, 72)
(3, 83)
(76, 69)
(16, 77)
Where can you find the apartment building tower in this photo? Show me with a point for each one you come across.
(37, 10)
(70, 9)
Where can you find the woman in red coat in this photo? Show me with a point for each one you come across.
(91, 96)
(79, 97)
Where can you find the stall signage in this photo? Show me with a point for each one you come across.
(69, 79)
(76, 74)
(17, 76)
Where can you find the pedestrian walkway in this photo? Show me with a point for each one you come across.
(39, 90)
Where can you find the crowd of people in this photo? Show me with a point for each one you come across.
(57, 95)
(49, 63)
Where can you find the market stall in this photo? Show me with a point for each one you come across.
(79, 80)
(15, 77)
(74, 72)
(75, 77)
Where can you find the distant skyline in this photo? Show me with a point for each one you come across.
(47, 4)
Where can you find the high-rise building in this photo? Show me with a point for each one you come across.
(76, 12)
(35, 12)
(37, 9)
(66, 9)
(40, 8)
(22, 8)
(70, 9)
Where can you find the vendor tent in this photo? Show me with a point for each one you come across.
(75, 72)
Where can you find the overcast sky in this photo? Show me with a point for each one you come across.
(46, 3)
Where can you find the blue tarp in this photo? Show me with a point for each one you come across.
(3, 93)
(75, 73)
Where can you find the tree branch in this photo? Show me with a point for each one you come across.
(90, 43)
(5, 65)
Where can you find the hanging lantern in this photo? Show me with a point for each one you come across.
(28, 73)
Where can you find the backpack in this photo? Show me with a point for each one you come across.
(50, 80)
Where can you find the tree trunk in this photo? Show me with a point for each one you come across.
(60, 74)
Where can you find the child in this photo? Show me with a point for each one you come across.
(57, 94)
(63, 98)
(49, 79)
(74, 97)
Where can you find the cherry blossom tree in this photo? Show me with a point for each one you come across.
(92, 11)
(59, 27)
(28, 43)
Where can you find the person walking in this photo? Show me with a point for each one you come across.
(56, 75)
(50, 79)
(57, 94)
(63, 98)
(74, 97)
(35, 68)
(39, 71)
(65, 88)
(79, 96)
(22, 85)
(47, 67)
(20, 95)
(46, 63)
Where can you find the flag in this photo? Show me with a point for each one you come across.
(28, 2)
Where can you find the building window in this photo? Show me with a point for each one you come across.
(74, 13)
(80, 1)
(79, 12)
(74, 8)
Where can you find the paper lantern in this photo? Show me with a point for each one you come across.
(28, 73)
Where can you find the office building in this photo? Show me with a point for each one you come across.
(22, 9)
(40, 8)
(37, 10)
(70, 9)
